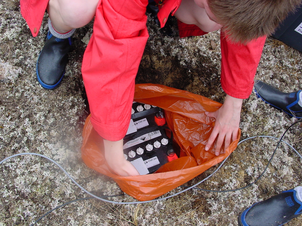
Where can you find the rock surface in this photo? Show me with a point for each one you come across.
(50, 122)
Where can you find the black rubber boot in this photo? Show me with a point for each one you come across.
(52, 61)
(275, 211)
(287, 102)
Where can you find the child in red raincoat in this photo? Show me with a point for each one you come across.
(113, 54)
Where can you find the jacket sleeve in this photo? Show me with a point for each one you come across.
(111, 62)
(238, 65)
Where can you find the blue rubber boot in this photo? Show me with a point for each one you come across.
(274, 211)
(52, 61)
(287, 102)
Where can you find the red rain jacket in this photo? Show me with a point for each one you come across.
(114, 52)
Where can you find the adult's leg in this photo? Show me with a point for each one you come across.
(274, 211)
(290, 103)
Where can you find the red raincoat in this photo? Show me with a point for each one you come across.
(113, 55)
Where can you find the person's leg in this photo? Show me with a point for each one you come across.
(274, 211)
(65, 16)
(290, 103)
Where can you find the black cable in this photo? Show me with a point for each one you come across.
(201, 189)
(187, 188)
(64, 204)
(260, 176)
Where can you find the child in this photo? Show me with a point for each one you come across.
(113, 54)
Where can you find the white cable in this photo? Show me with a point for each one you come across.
(139, 202)
(106, 200)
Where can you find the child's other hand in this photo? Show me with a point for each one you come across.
(115, 158)
(226, 126)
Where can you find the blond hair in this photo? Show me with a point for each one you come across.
(244, 20)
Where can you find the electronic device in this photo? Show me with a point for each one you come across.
(146, 144)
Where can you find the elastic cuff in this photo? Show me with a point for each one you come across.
(110, 132)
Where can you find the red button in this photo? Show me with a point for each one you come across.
(172, 157)
(159, 121)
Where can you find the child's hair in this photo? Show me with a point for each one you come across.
(244, 20)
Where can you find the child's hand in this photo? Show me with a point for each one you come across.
(115, 158)
(227, 124)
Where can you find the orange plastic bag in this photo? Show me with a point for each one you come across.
(185, 115)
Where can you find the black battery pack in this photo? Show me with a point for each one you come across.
(290, 30)
(147, 144)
